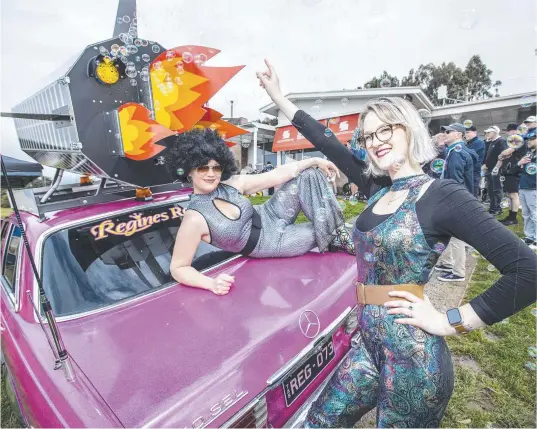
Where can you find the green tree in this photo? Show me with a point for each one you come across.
(385, 76)
(479, 82)
(268, 121)
(470, 84)
(5, 199)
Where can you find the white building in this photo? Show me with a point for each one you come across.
(254, 148)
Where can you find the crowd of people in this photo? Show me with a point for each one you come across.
(489, 169)
(400, 363)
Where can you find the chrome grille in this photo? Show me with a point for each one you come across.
(42, 135)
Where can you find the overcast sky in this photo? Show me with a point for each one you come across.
(314, 44)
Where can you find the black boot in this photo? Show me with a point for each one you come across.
(510, 219)
(342, 241)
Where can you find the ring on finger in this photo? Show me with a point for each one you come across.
(410, 306)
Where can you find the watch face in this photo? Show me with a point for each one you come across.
(454, 316)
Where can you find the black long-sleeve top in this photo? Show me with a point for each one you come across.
(446, 210)
(493, 152)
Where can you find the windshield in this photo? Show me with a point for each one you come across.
(105, 262)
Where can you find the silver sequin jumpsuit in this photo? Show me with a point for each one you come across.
(310, 193)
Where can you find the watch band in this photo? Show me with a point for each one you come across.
(460, 328)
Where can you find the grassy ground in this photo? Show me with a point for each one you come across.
(350, 211)
(492, 386)
(5, 212)
(8, 418)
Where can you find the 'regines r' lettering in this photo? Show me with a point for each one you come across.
(138, 223)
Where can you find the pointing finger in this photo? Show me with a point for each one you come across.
(269, 65)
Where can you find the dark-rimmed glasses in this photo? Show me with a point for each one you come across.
(204, 169)
(383, 134)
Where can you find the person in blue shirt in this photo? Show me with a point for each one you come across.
(528, 192)
(459, 163)
(458, 166)
(478, 146)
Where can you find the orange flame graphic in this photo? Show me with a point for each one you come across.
(181, 85)
(212, 120)
(140, 133)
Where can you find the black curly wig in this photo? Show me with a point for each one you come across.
(196, 148)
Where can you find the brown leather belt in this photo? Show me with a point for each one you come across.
(378, 294)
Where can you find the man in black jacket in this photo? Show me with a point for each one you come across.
(496, 145)
(511, 171)
(478, 146)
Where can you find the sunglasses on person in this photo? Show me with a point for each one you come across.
(204, 169)
(383, 134)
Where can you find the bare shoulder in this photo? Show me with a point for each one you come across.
(194, 219)
(236, 181)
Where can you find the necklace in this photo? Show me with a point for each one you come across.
(407, 183)
(395, 199)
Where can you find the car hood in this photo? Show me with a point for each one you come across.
(165, 359)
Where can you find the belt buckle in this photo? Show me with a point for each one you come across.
(361, 292)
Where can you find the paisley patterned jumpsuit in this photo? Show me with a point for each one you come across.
(403, 371)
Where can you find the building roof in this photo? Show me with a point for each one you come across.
(480, 105)
(417, 93)
(419, 98)
(265, 133)
(259, 126)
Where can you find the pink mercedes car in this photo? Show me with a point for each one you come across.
(146, 351)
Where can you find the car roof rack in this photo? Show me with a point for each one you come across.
(40, 201)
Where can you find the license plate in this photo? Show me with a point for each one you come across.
(295, 383)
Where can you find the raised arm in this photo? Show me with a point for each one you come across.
(192, 229)
(330, 146)
(314, 132)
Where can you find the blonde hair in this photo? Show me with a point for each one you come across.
(396, 110)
